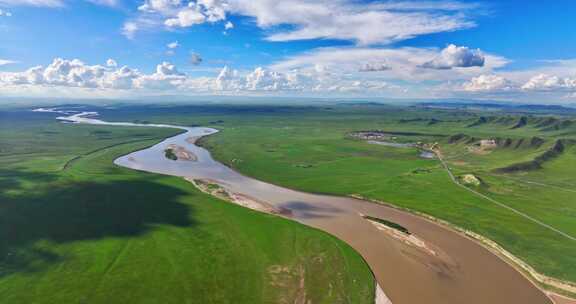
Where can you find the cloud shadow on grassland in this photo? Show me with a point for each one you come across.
(77, 211)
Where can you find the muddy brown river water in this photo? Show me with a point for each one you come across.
(452, 270)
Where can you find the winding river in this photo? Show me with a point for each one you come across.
(432, 265)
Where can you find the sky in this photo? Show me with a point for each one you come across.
(492, 50)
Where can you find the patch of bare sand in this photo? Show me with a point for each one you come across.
(213, 188)
(522, 267)
(419, 250)
(381, 297)
(181, 153)
(408, 239)
(559, 299)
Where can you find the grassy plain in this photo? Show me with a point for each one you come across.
(74, 228)
(308, 149)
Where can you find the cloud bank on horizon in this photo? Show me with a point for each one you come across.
(410, 49)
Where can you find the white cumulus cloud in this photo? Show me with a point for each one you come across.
(167, 69)
(265, 80)
(456, 57)
(404, 64)
(260, 79)
(544, 82)
(487, 83)
(186, 18)
(75, 74)
(156, 14)
(166, 77)
(122, 78)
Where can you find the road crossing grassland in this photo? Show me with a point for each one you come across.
(538, 222)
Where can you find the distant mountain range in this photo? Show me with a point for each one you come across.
(509, 107)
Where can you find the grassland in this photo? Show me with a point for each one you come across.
(74, 228)
(309, 150)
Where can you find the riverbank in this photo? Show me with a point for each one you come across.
(213, 188)
(84, 232)
(554, 288)
(406, 274)
(551, 285)
(338, 165)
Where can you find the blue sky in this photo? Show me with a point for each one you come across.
(509, 50)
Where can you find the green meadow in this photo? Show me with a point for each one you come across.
(312, 151)
(74, 228)
(73, 222)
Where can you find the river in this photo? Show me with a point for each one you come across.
(434, 265)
